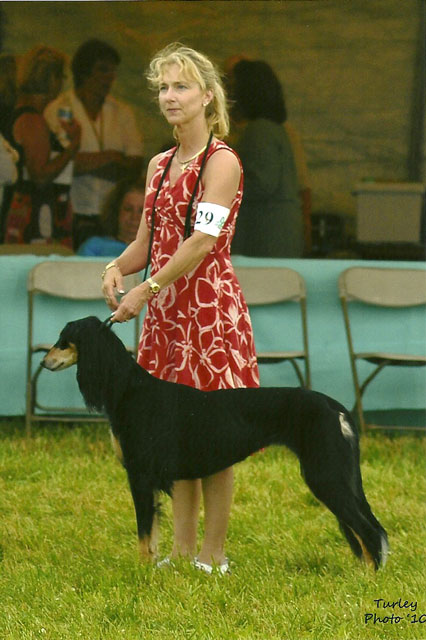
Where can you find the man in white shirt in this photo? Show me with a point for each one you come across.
(111, 145)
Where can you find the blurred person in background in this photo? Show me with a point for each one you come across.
(275, 213)
(111, 145)
(120, 218)
(8, 159)
(39, 210)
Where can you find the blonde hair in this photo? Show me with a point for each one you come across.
(37, 67)
(197, 67)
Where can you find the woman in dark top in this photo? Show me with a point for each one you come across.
(39, 211)
(270, 221)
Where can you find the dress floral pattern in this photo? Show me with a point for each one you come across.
(197, 331)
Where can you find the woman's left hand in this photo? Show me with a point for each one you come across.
(132, 303)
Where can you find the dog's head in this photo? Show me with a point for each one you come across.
(64, 352)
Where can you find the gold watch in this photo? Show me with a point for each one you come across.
(154, 287)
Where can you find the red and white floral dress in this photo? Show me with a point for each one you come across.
(197, 331)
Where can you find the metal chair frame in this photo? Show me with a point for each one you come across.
(382, 287)
(72, 280)
(272, 285)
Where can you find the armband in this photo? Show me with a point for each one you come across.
(210, 218)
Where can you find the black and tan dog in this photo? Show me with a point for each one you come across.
(165, 432)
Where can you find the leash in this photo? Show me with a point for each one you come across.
(108, 322)
(187, 231)
(151, 235)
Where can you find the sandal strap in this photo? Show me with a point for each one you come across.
(208, 568)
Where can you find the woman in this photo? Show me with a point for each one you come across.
(39, 211)
(120, 218)
(270, 223)
(197, 329)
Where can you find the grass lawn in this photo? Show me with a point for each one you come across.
(68, 550)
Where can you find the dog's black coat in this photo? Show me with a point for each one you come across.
(169, 431)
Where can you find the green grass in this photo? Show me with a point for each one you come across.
(68, 554)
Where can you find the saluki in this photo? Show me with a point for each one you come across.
(165, 431)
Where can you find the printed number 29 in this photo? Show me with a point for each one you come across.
(207, 215)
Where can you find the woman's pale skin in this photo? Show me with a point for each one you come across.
(183, 104)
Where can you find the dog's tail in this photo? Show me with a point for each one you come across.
(335, 478)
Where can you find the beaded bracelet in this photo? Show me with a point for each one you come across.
(109, 266)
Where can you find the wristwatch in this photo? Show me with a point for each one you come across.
(153, 286)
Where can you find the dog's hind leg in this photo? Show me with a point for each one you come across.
(352, 539)
(382, 545)
(334, 478)
(366, 539)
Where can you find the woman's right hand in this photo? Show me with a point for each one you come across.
(112, 283)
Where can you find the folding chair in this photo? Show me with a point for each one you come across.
(72, 280)
(276, 285)
(380, 287)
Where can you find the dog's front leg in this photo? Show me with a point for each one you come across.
(144, 500)
(148, 541)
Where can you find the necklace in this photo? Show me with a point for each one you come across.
(185, 164)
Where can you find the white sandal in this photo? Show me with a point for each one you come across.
(164, 563)
(208, 568)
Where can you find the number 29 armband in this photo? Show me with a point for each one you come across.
(210, 218)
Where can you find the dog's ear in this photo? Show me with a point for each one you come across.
(76, 328)
(104, 366)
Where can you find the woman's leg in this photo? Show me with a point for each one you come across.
(185, 505)
(217, 494)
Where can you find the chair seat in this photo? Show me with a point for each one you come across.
(279, 355)
(394, 359)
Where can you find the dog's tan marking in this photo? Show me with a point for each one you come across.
(155, 531)
(368, 558)
(117, 447)
(57, 359)
(145, 550)
(148, 544)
